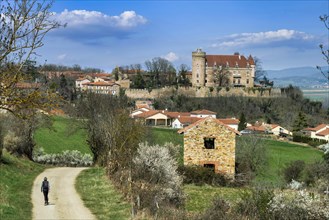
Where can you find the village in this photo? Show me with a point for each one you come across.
(163, 110)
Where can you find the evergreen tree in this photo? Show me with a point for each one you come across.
(243, 122)
(300, 122)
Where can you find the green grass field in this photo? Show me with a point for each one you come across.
(66, 134)
(281, 153)
(16, 180)
(100, 196)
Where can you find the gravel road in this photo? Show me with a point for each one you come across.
(64, 201)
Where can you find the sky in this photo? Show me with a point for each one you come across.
(105, 34)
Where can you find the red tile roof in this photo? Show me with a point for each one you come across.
(147, 114)
(203, 112)
(188, 119)
(231, 60)
(229, 121)
(319, 127)
(324, 132)
(203, 119)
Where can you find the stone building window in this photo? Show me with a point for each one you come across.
(210, 166)
(209, 143)
(247, 81)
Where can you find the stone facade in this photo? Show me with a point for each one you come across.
(221, 155)
(240, 70)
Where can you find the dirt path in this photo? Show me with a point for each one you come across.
(64, 201)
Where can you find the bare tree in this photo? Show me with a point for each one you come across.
(158, 66)
(259, 72)
(325, 52)
(222, 75)
(24, 24)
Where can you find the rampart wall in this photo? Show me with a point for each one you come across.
(202, 92)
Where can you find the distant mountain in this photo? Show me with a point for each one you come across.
(304, 77)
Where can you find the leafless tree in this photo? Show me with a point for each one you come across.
(222, 75)
(325, 52)
(24, 24)
(259, 72)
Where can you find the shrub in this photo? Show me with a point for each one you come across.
(199, 175)
(316, 171)
(298, 205)
(293, 170)
(219, 210)
(155, 178)
(255, 203)
(68, 158)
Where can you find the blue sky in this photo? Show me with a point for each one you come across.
(105, 34)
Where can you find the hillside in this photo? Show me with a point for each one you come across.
(304, 77)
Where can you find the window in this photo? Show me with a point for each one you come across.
(247, 81)
(210, 166)
(209, 143)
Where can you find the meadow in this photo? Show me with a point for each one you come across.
(17, 175)
(198, 197)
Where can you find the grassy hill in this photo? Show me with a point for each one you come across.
(65, 134)
(16, 180)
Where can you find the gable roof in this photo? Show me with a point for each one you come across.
(203, 112)
(230, 60)
(187, 119)
(319, 127)
(229, 121)
(325, 132)
(204, 119)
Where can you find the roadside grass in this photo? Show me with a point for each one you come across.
(199, 198)
(281, 153)
(16, 180)
(100, 196)
(66, 134)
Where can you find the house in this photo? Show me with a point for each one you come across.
(319, 132)
(103, 87)
(212, 70)
(231, 122)
(203, 113)
(184, 121)
(210, 143)
(269, 129)
(81, 83)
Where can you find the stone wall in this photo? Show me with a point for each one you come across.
(202, 92)
(222, 156)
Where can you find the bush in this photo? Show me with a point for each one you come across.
(298, 205)
(156, 181)
(199, 175)
(219, 210)
(255, 204)
(316, 171)
(306, 139)
(293, 170)
(66, 158)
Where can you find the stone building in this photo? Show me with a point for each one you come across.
(210, 143)
(222, 70)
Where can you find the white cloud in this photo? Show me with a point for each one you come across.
(263, 38)
(171, 57)
(61, 56)
(126, 19)
(91, 26)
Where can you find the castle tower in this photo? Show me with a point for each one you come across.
(198, 68)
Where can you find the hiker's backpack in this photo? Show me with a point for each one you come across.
(45, 185)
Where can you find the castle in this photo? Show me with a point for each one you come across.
(222, 70)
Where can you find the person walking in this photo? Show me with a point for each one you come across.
(45, 187)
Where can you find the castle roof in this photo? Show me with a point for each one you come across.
(229, 60)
